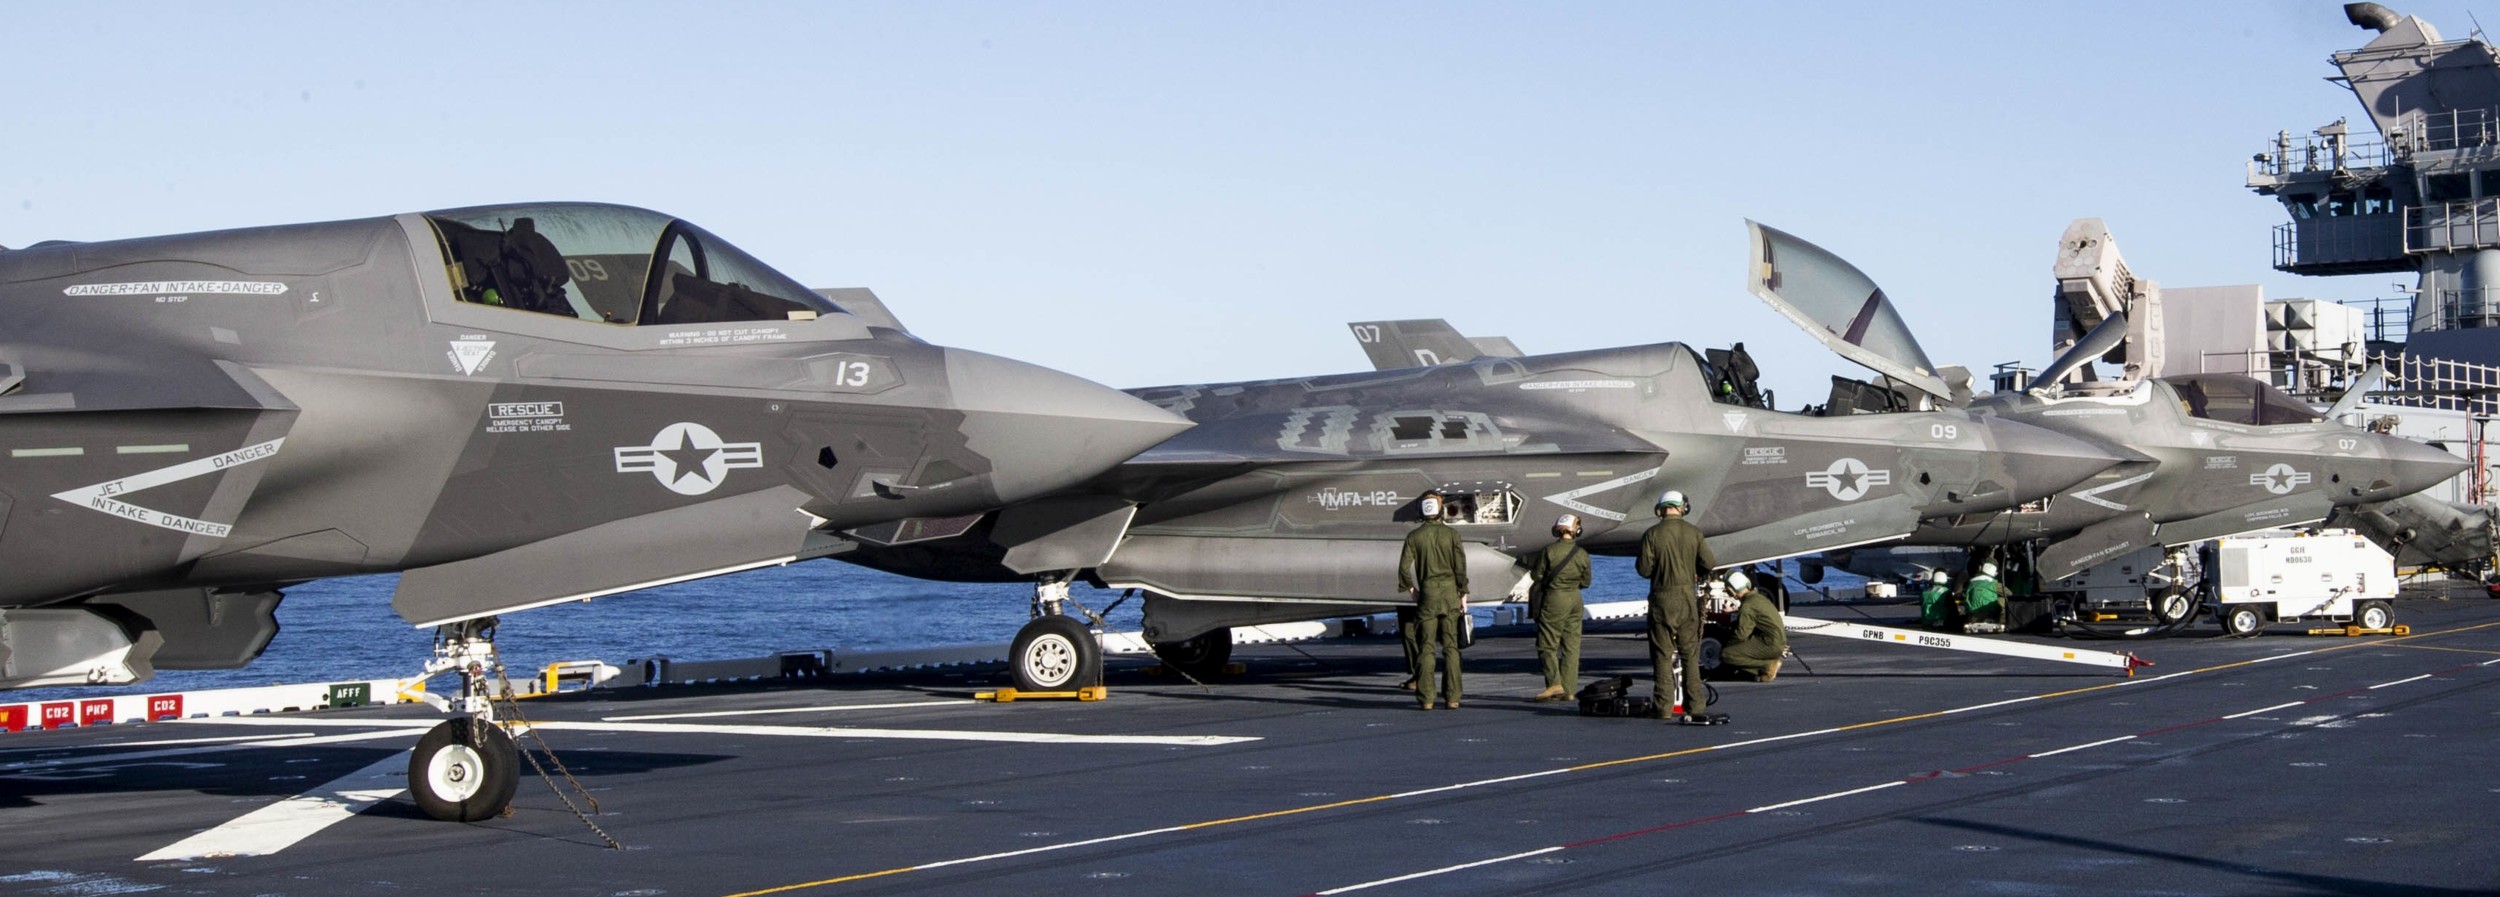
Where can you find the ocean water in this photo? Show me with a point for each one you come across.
(341, 629)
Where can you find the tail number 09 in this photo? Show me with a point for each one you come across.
(1946, 432)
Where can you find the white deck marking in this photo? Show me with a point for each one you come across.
(960, 702)
(158, 743)
(927, 734)
(1432, 872)
(280, 825)
(282, 741)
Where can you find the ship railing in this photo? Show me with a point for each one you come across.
(2448, 226)
(2469, 308)
(2417, 381)
(2293, 155)
(2449, 129)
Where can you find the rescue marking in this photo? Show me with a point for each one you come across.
(1361, 801)
(100, 497)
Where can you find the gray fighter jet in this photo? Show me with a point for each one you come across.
(2221, 454)
(514, 405)
(1289, 499)
(2211, 455)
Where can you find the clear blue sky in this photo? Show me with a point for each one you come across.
(1147, 193)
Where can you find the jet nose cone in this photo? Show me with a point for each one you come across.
(2411, 467)
(2044, 462)
(1043, 430)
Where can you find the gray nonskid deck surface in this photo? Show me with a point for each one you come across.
(1886, 770)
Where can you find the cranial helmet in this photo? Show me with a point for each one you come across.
(1430, 506)
(1671, 498)
(1988, 568)
(1737, 582)
(1569, 523)
(1939, 576)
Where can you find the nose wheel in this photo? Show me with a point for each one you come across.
(464, 770)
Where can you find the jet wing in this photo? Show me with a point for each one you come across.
(1836, 303)
(726, 535)
(1892, 517)
(2295, 509)
(2094, 544)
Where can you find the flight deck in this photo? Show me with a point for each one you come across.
(2277, 764)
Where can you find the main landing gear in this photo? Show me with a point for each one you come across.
(1056, 651)
(465, 770)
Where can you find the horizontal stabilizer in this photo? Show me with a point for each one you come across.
(1859, 523)
(2297, 509)
(726, 535)
(2103, 541)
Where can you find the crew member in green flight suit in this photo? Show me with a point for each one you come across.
(1433, 568)
(1979, 599)
(1935, 604)
(1555, 577)
(1674, 554)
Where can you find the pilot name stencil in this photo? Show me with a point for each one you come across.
(689, 458)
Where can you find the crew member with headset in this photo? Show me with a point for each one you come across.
(1555, 577)
(1980, 597)
(1761, 638)
(1433, 568)
(1935, 604)
(1673, 554)
(1410, 632)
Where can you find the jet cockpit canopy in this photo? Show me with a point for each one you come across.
(612, 264)
(2237, 399)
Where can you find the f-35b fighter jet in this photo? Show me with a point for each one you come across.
(1289, 499)
(514, 405)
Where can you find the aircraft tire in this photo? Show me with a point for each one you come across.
(464, 770)
(1055, 652)
(1709, 654)
(2242, 620)
(1199, 656)
(2374, 615)
(2175, 607)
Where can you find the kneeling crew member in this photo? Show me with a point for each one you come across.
(1761, 638)
(1935, 605)
(1555, 577)
(1979, 599)
(1433, 568)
